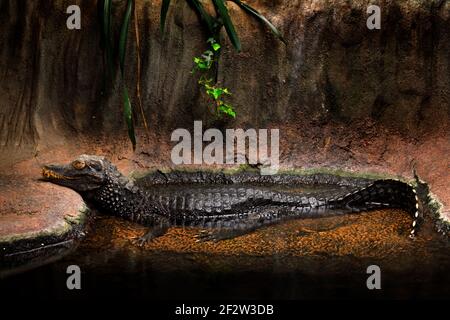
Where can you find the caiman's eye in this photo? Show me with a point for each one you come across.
(78, 164)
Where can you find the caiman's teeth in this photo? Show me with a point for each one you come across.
(51, 174)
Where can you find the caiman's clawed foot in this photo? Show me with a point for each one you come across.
(152, 233)
(143, 240)
(206, 235)
(215, 235)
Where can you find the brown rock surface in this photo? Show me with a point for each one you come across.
(30, 210)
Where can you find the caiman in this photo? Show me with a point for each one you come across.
(222, 211)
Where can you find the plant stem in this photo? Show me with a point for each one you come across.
(138, 71)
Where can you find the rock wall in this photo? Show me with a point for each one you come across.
(333, 68)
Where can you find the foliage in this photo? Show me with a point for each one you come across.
(105, 10)
(210, 57)
(127, 109)
(260, 17)
(213, 24)
(204, 64)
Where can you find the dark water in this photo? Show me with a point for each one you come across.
(114, 268)
(135, 273)
(125, 274)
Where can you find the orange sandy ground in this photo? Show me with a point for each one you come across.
(373, 234)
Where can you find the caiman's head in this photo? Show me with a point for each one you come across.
(83, 174)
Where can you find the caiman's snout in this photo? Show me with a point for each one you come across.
(46, 173)
(49, 174)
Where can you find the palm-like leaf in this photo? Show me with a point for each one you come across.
(106, 34)
(229, 27)
(128, 115)
(258, 15)
(124, 34)
(164, 9)
(205, 17)
(127, 109)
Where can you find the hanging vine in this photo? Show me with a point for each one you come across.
(205, 64)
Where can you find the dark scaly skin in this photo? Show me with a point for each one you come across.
(225, 211)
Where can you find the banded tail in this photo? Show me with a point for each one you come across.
(382, 194)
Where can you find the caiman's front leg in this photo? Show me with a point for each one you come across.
(158, 229)
(244, 223)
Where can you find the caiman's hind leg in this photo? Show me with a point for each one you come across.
(228, 229)
(256, 218)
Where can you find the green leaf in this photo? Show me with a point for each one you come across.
(229, 27)
(128, 115)
(205, 81)
(127, 109)
(227, 109)
(106, 29)
(124, 35)
(106, 20)
(164, 9)
(205, 17)
(201, 64)
(214, 44)
(216, 92)
(258, 15)
(209, 91)
(100, 16)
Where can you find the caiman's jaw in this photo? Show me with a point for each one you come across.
(83, 174)
(50, 175)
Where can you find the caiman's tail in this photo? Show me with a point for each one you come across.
(382, 194)
(379, 194)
